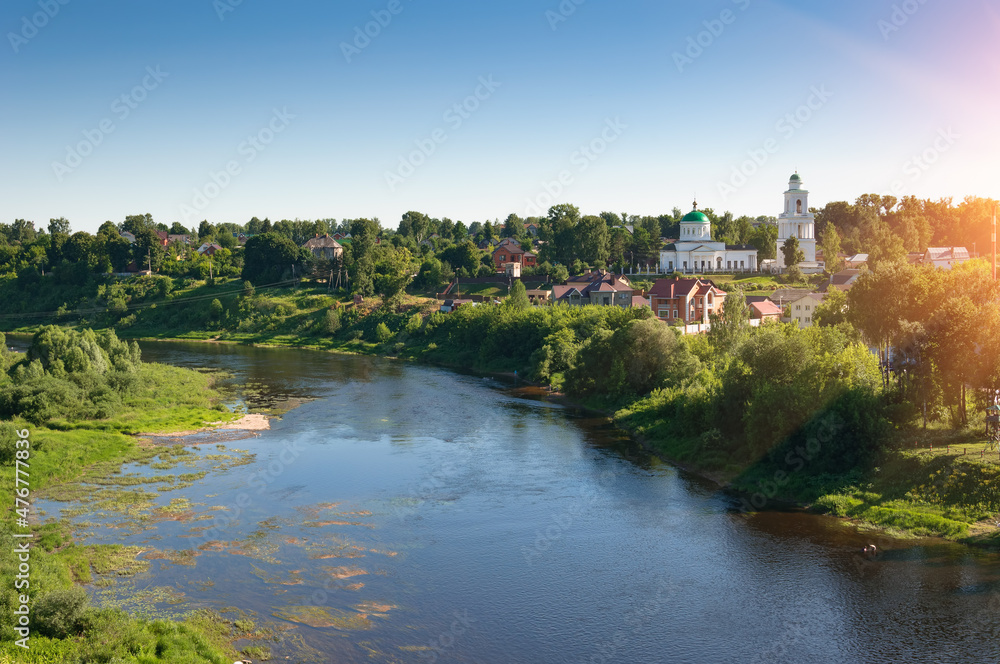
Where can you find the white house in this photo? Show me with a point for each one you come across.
(945, 257)
(696, 252)
(803, 309)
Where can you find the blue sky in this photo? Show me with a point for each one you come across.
(266, 90)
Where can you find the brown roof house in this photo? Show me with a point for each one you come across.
(600, 287)
(842, 280)
(513, 253)
(324, 246)
(685, 300)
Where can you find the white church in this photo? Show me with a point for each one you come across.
(797, 221)
(696, 252)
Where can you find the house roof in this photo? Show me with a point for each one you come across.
(818, 297)
(564, 290)
(785, 295)
(766, 308)
(599, 281)
(322, 242)
(671, 288)
(947, 253)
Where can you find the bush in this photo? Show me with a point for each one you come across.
(383, 333)
(8, 438)
(59, 613)
(331, 323)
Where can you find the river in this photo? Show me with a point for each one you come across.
(413, 514)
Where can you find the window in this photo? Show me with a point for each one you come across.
(664, 313)
(807, 319)
(798, 307)
(675, 313)
(685, 265)
(741, 265)
(729, 265)
(798, 206)
(807, 307)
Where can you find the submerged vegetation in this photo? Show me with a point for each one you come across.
(79, 393)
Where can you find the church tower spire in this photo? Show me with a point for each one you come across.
(796, 221)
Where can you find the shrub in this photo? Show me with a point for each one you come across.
(8, 438)
(331, 324)
(383, 333)
(59, 613)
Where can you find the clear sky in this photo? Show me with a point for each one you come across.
(117, 107)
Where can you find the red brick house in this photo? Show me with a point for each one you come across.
(513, 254)
(764, 309)
(685, 300)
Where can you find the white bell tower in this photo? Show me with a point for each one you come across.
(797, 221)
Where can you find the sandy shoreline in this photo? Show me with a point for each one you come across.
(249, 422)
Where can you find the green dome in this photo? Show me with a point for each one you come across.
(695, 217)
(795, 178)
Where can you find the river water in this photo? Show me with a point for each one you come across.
(401, 513)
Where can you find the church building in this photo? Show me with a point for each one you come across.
(696, 252)
(797, 221)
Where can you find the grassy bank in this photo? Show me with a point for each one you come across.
(67, 447)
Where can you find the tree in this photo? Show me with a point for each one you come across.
(364, 240)
(793, 255)
(269, 258)
(518, 298)
(393, 273)
(415, 225)
(592, 240)
(79, 249)
(205, 230)
(177, 228)
(732, 324)
(147, 252)
(513, 226)
(60, 226)
(830, 244)
(117, 250)
(137, 223)
(832, 311)
(765, 238)
(22, 232)
(885, 246)
(559, 231)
